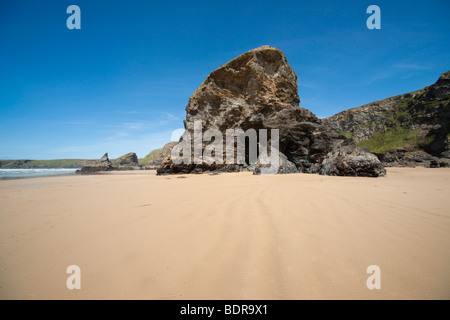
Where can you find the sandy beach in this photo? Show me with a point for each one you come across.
(228, 236)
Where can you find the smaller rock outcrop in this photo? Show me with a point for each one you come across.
(104, 164)
(285, 166)
(350, 161)
(126, 162)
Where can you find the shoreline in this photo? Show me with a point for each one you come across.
(31, 173)
(37, 177)
(145, 171)
(136, 235)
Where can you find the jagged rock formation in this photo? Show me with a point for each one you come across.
(102, 165)
(258, 90)
(154, 159)
(128, 161)
(105, 158)
(125, 162)
(397, 127)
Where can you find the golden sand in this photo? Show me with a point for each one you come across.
(229, 236)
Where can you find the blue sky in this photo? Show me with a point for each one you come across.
(122, 82)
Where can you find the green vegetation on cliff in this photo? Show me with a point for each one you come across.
(391, 139)
(156, 156)
(348, 135)
(415, 121)
(151, 156)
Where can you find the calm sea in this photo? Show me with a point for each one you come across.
(31, 173)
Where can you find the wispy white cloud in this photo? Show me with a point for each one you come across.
(408, 76)
(371, 79)
(134, 125)
(378, 77)
(306, 84)
(412, 66)
(117, 135)
(160, 119)
(127, 112)
(170, 116)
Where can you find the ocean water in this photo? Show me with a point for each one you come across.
(31, 173)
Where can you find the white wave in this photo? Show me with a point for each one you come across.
(23, 173)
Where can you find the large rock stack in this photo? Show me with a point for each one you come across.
(258, 90)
